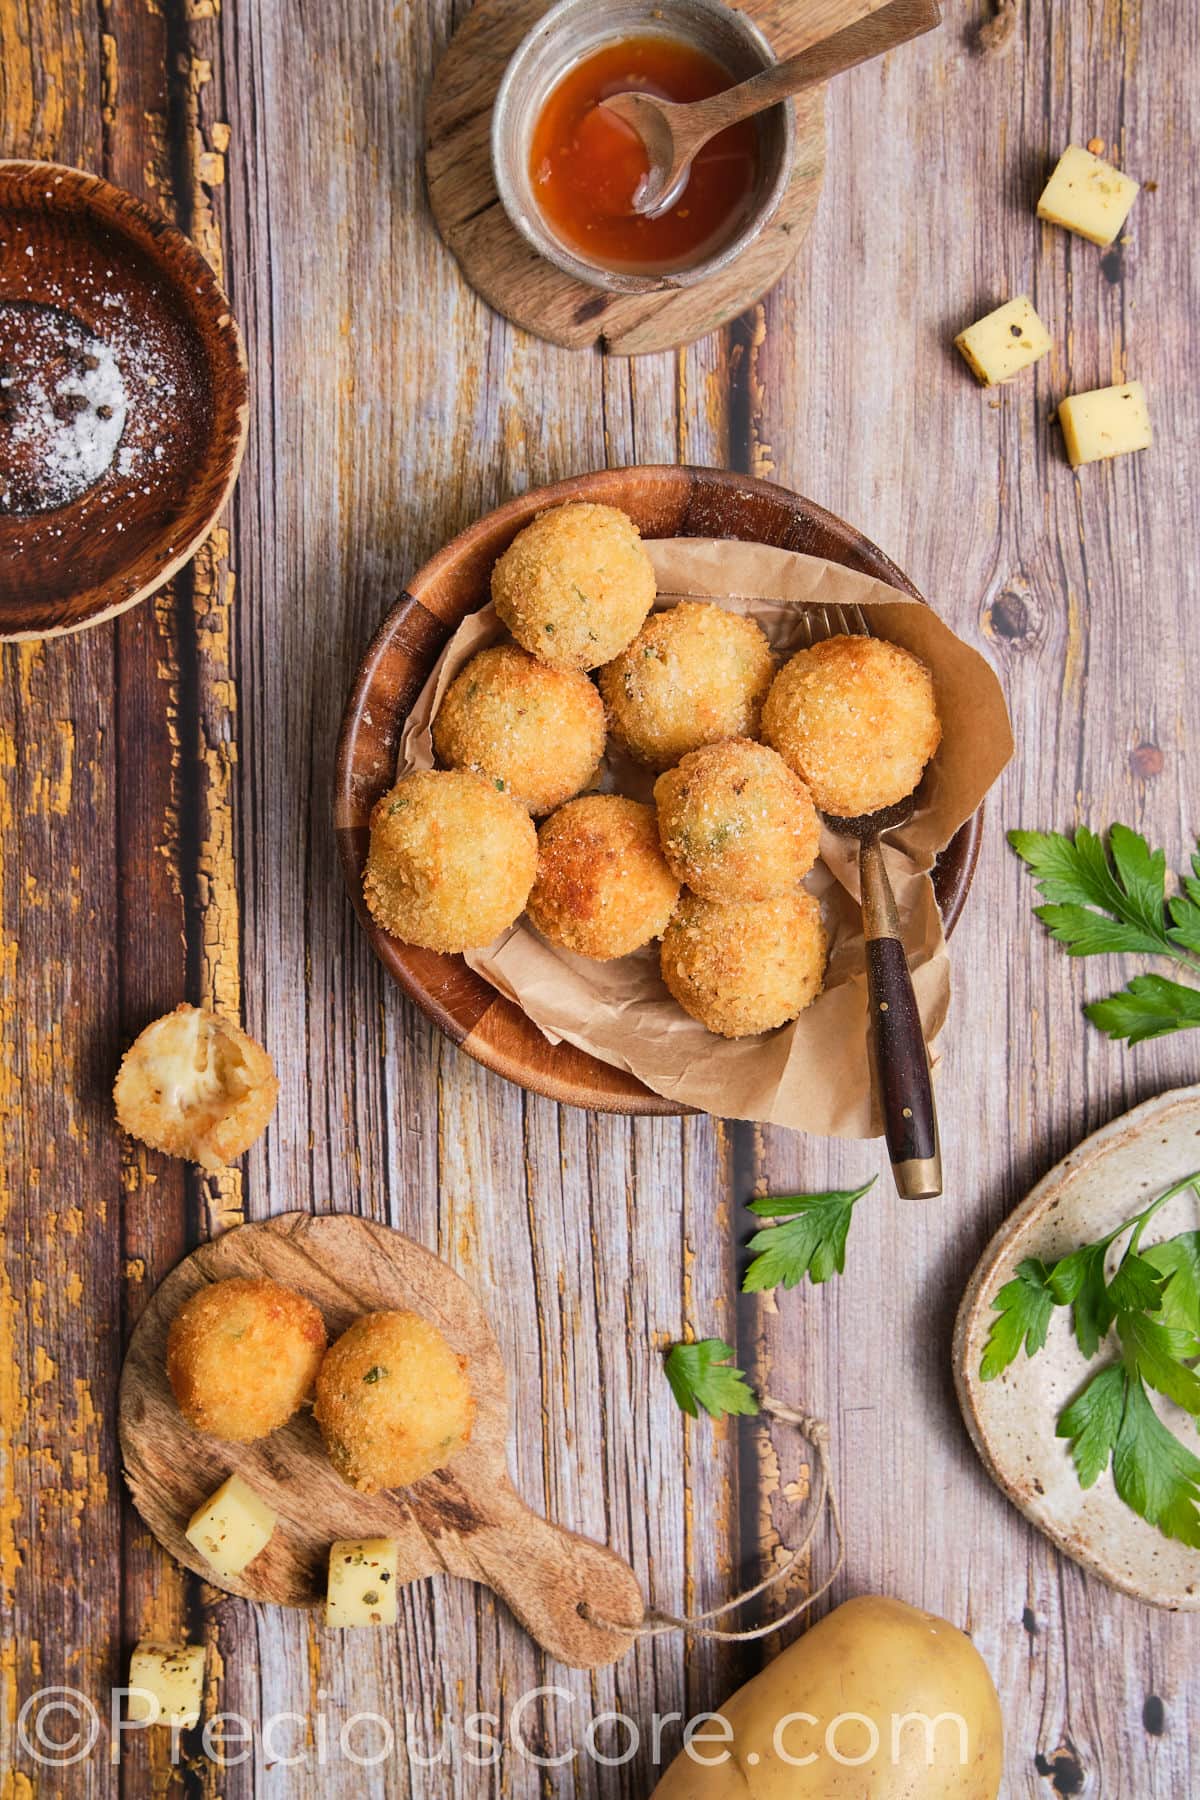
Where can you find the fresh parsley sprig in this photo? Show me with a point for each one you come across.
(1113, 901)
(810, 1240)
(700, 1376)
(1152, 1300)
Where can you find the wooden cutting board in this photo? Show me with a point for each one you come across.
(509, 274)
(465, 1520)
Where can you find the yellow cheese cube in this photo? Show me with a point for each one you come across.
(167, 1682)
(362, 1583)
(1006, 341)
(1106, 422)
(230, 1529)
(1087, 196)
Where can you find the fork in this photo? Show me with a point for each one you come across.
(899, 1054)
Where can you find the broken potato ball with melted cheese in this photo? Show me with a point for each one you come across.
(747, 967)
(736, 823)
(393, 1401)
(451, 860)
(575, 585)
(537, 733)
(695, 674)
(603, 887)
(856, 718)
(242, 1356)
(195, 1085)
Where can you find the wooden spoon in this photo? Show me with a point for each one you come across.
(674, 133)
(466, 1519)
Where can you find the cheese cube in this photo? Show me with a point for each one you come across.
(1106, 422)
(1000, 345)
(362, 1583)
(232, 1527)
(170, 1678)
(1087, 196)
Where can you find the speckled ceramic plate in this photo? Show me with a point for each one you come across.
(1012, 1418)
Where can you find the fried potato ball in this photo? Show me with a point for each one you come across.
(856, 718)
(575, 585)
(746, 967)
(242, 1355)
(694, 675)
(393, 1401)
(451, 860)
(736, 823)
(603, 887)
(537, 730)
(194, 1085)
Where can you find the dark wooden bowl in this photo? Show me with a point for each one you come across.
(107, 265)
(665, 502)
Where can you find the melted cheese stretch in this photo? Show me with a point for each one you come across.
(197, 1067)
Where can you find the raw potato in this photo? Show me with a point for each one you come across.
(870, 1665)
(575, 585)
(194, 1085)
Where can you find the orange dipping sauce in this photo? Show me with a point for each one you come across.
(586, 165)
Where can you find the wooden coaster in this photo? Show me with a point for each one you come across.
(465, 1520)
(510, 275)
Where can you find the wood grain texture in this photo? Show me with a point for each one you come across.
(663, 502)
(190, 857)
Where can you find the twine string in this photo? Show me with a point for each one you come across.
(656, 1622)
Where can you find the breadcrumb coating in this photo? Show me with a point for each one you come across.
(575, 585)
(736, 823)
(603, 887)
(195, 1085)
(451, 860)
(856, 718)
(393, 1401)
(538, 730)
(746, 967)
(242, 1356)
(695, 674)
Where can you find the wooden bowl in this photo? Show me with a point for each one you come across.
(665, 502)
(124, 400)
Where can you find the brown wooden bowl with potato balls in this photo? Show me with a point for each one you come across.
(685, 692)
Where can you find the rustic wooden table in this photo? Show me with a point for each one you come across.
(164, 797)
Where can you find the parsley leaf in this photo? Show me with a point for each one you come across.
(812, 1242)
(1149, 1006)
(1025, 1304)
(698, 1379)
(1078, 1281)
(1155, 1352)
(1178, 1261)
(1154, 1473)
(1092, 1422)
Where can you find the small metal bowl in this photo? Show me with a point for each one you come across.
(572, 30)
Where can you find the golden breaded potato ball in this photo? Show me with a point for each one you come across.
(856, 718)
(451, 860)
(736, 823)
(539, 731)
(195, 1085)
(575, 585)
(694, 675)
(393, 1401)
(603, 887)
(242, 1355)
(745, 967)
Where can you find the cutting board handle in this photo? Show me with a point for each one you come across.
(556, 1583)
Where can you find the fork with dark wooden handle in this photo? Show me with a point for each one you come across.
(899, 1054)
